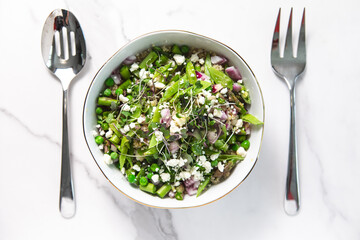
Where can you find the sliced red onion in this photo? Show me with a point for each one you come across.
(223, 116)
(216, 88)
(247, 128)
(129, 60)
(165, 116)
(233, 73)
(212, 136)
(228, 126)
(202, 76)
(218, 60)
(236, 87)
(171, 194)
(174, 146)
(191, 191)
(113, 148)
(189, 182)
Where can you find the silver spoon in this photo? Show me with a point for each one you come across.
(64, 53)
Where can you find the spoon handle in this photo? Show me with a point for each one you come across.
(67, 201)
(292, 195)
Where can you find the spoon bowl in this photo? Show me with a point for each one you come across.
(64, 53)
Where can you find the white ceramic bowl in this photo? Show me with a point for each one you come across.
(159, 38)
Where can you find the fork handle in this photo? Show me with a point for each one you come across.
(66, 201)
(292, 197)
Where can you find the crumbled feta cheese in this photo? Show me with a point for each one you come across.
(107, 159)
(176, 162)
(143, 74)
(201, 61)
(123, 98)
(176, 184)
(159, 136)
(241, 152)
(155, 178)
(179, 59)
(126, 107)
(109, 133)
(239, 124)
(102, 133)
(133, 109)
(207, 166)
(194, 57)
(173, 127)
(172, 64)
(159, 85)
(136, 167)
(134, 67)
(184, 175)
(240, 81)
(132, 125)
(211, 115)
(101, 146)
(223, 91)
(198, 176)
(128, 90)
(123, 171)
(214, 156)
(201, 100)
(165, 177)
(217, 113)
(94, 133)
(202, 159)
(125, 129)
(141, 119)
(177, 73)
(179, 121)
(98, 126)
(220, 166)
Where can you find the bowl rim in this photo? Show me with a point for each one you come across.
(197, 35)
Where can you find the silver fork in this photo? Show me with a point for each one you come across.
(289, 68)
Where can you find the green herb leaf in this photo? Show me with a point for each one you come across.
(251, 119)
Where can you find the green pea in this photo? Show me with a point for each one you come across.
(114, 155)
(131, 178)
(99, 140)
(241, 138)
(232, 140)
(184, 49)
(149, 175)
(105, 126)
(245, 144)
(154, 167)
(109, 82)
(143, 181)
(98, 110)
(235, 147)
(130, 97)
(119, 91)
(214, 163)
(124, 72)
(107, 92)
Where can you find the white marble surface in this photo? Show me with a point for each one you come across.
(328, 124)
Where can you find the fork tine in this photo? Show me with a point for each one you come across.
(301, 51)
(288, 51)
(275, 50)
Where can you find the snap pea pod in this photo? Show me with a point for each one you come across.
(114, 139)
(190, 73)
(105, 101)
(150, 188)
(220, 77)
(163, 190)
(230, 157)
(173, 89)
(125, 84)
(150, 58)
(202, 186)
(124, 147)
(207, 64)
(115, 130)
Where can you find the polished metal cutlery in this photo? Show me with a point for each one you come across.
(289, 67)
(64, 53)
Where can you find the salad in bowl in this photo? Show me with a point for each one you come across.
(173, 122)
